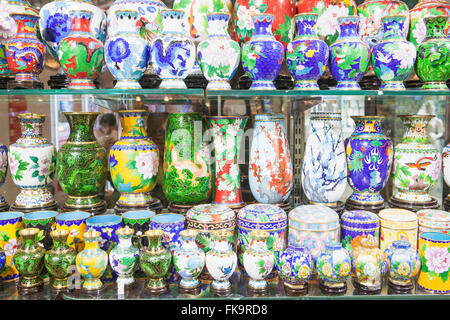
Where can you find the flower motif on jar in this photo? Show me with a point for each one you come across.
(437, 260)
(304, 272)
(344, 269)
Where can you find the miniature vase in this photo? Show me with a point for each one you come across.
(262, 56)
(258, 260)
(172, 51)
(369, 159)
(186, 178)
(307, 55)
(404, 263)
(126, 52)
(124, 258)
(433, 63)
(189, 260)
(45, 222)
(60, 259)
(80, 53)
(221, 261)
(32, 161)
(227, 134)
(24, 52)
(134, 161)
(393, 57)
(270, 166)
(218, 55)
(92, 261)
(324, 172)
(333, 268)
(10, 225)
(414, 173)
(349, 56)
(29, 260)
(155, 261)
(82, 164)
(295, 266)
(3, 172)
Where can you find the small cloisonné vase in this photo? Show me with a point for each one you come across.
(433, 63)
(263, 55)
(3, 172)
(60, 259)
(218, 55)
(124, 258)
(333, 268)
(10, 225)
(404, 265)
(92, 261)
(369, 159)
(126, 52)
(393, 57)
(258, 260)
(307, 55)
(80, 53)
(295, 266)
(221, 260)
(82, 164)
(29, 260)
(24, 52)
(172, 51)
(75, 223)
(155, 261)
(270, 166)
(349, 56)
(32, 161)
(45, 222)
(189, 260)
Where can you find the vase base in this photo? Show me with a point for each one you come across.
(284, 82)
(348, 85)
(438, 85)
(245, 82)
(400, 289)
(58, 81)
(363, 289)
(220, 292)
(369, 82)
(23, 290)
(150, 81)
(413, 206)
(353, 205)
(295, 290)
(196, 290)
(4, 82)
(179, 208)
(257, 292)
(51, 207)
(153, 291)
(392, 85)
(446, 204)
(155, 205)
(205, 277)
(338, 207)
(93, 210)
(196, 81)
(32, 84)
(333, 291)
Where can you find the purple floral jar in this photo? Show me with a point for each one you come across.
(357, 225)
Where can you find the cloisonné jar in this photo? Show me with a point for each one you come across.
(357, 225)
(10, 225)
(75, 223)
(397, 224)
(124, 258)
(45, 222)
(431, 220)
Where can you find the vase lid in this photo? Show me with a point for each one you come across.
(259, 212)
(210, 213)
(360, 217)
(433, 218)
(398, 218)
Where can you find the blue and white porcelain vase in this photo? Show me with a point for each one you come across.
(349, 55)
(172, 52)
(262, 56)
(393, 58)
(218, 55)
(307, 55)
(126, 52)
(124, 258)
(324, 172)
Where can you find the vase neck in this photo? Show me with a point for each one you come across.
(92, 244)
(368, 125)
(60, 243)
(218, 25)
(81, 126)
(133, 124)
(81, 22)
(306, 26)
(263, 26)
(125, 241)
(415, 130)
(154, 243)
(172, 22)
(348, 27)
(221, 245)
(29, 242)
(258, 245)
(393, 27)
(128, 22)
(31, 128)
(436, 27)
(188, 244)
(25, 24)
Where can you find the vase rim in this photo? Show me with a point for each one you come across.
(104, 219)
(305, 14)
(217, 14)
(154, 233)
(23, 14)
(188, 233)
(59, 233)
(39, 215)
(416, 116)
(368, 117)
(172, 10)
(435, 17)
(138, 214)
(73, 216)
(91, 234)
(29, 232)
(125, 231)
(226, 117)
(435, 236)
(9, 215)
(126, 10)
(129, 111)
(80, 11)
(394, 16)
(222, 234)
(348, 17)
(75, 113)
(30, 115)
(160, 216)
(259, 234)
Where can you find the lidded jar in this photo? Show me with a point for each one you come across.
(357, 225)
(431, 220)
(398, 224)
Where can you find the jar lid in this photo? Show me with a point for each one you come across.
(210, 213)
(433, 218)
(398, 218)
(360, 219)
(313, 217)
(261, 213)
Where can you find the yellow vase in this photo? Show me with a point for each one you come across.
(434, 251)
(10, 225)
(75, 223)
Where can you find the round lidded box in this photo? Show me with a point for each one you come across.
(357, 225)
(312, 226)
(431, 220)
(397, 224)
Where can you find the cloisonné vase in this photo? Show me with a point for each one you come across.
(324, 172)
(10, 225)
(155, 261)
(32, 161)
(369, 160)
(295, 266)
(424, 8)
(172, 51)
(218, 55)
(258, 260)
(221, 261)
(134, 161)
(333, 268)
(186, 178)
(82, 164)
(80, 53)
(417, 163)
(3, 172)
(60, 259)
(126, 52)
(189, 260)
(45, 222)
(29, 259)
(433, 63)
(92, 261)
(25, 53)
(349, 56)
(227, 135)
(262, 56)
(75, 223)
(270, 166)
(307, 55)
(404, 263)
(393, 57)
(124, 258)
